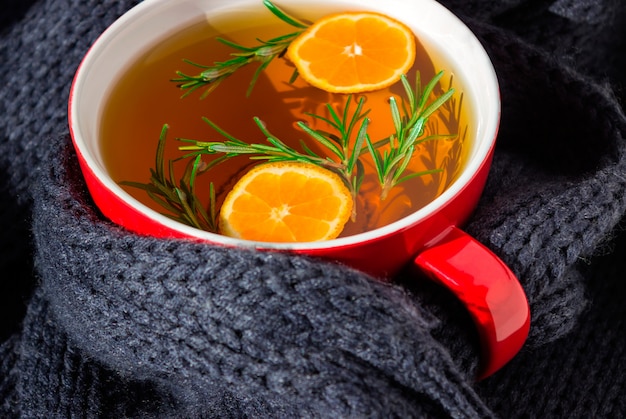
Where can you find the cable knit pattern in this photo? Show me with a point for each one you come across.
(104, 323)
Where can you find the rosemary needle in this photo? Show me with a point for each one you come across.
(264, 53)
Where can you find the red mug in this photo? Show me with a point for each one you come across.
(430, 238)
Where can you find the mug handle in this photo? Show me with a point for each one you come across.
(489, 290)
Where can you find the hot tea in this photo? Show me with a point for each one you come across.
(145, 99)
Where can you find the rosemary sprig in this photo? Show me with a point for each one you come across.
(351, 167)
(180, 202)
(409, 128)
(211, 76)
(346, 162)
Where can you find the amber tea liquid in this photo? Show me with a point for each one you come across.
(145, 99)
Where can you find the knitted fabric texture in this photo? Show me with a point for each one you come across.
(104, 323)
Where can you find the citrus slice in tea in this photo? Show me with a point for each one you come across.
(353, 52)
(286, 202)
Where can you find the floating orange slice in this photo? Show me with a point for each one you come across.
(286, 202)
(353, 52)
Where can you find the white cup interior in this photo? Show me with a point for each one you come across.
(152, 20)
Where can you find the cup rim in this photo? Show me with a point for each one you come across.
(488, 123)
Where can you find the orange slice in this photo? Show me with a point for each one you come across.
(286, 202)
(353, 52)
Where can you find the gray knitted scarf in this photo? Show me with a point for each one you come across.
(104, 323)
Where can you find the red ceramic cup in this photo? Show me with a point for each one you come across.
(430, 238)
